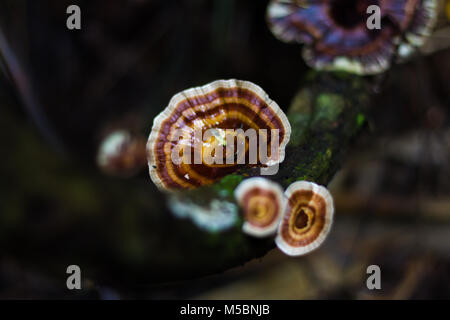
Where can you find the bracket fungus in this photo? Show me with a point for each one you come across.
(197, 126)
(121, 153)
(336, 33)
(262, 202)
(307, 219)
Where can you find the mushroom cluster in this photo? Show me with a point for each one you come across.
(302, 215)
(178, 147)
(337, 36)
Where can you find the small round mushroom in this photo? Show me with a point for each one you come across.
(262, 202)
(218, 108)
(121, 153)
(337, 37)
(307, 219)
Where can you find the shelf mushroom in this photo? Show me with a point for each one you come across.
(197, 125)
(262, 202)
(307, 219)
(336, 33)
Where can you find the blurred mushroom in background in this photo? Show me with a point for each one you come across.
(337, 37)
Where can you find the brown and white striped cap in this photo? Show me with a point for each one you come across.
(221, 105)
(307, 219)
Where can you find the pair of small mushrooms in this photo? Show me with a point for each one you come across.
(338, 36)
(302, 215)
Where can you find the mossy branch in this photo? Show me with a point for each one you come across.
(325, 115)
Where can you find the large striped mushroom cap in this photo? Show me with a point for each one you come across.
(307, 219)
(262, 202)
(337, 35)
(225, 109)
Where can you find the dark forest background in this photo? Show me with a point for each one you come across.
(392, 195)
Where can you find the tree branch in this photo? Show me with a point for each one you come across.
(124, 232)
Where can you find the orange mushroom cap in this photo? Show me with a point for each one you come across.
(262, 202)
(307, 219)
(220, 106)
